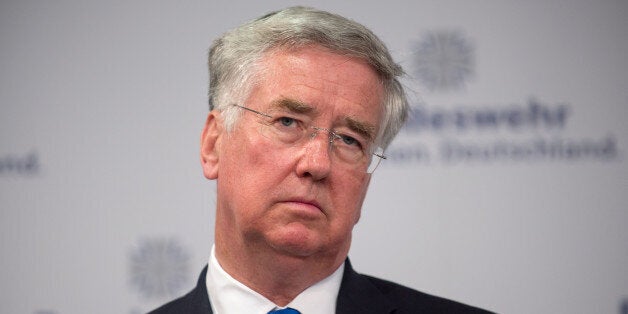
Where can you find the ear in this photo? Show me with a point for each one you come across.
(210, 142)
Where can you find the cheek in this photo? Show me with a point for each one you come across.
(242, 151)
(243, 179)
(350, 194)
(251, 164)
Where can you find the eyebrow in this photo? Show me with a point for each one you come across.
(292, 105)
(364, 129)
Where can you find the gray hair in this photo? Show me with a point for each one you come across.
(234, 59)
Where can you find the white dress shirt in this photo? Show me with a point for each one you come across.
(229, 296)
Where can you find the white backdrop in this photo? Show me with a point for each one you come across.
(507, 190)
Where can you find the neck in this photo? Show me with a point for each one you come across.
(277, 276)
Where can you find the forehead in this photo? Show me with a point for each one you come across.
(332, 84)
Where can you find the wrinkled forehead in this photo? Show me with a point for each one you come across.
(316, 81)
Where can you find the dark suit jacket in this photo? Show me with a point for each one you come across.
(359, 294)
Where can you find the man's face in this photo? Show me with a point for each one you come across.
(296, 200)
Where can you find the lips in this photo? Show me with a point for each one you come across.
(304, 206)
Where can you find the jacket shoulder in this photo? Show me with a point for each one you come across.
(366, 294)
(408, 300)
(184, 304)
(195, 302)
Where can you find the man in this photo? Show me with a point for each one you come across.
(303, 103)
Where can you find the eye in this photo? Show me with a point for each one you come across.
(286, 121)
(350, 141)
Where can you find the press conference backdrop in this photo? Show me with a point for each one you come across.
(507, 188)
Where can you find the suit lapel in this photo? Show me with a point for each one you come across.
(358, 295)
(199, 299)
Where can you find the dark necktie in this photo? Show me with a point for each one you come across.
(288, 310)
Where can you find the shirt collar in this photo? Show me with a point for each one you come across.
(229, 296)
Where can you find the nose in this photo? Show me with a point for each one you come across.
(316, 159)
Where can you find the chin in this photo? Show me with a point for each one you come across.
(297, 243)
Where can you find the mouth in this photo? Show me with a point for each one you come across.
(304, 207)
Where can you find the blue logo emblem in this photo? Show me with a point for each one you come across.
(24, 165)
(445, 60)
(159, 268)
